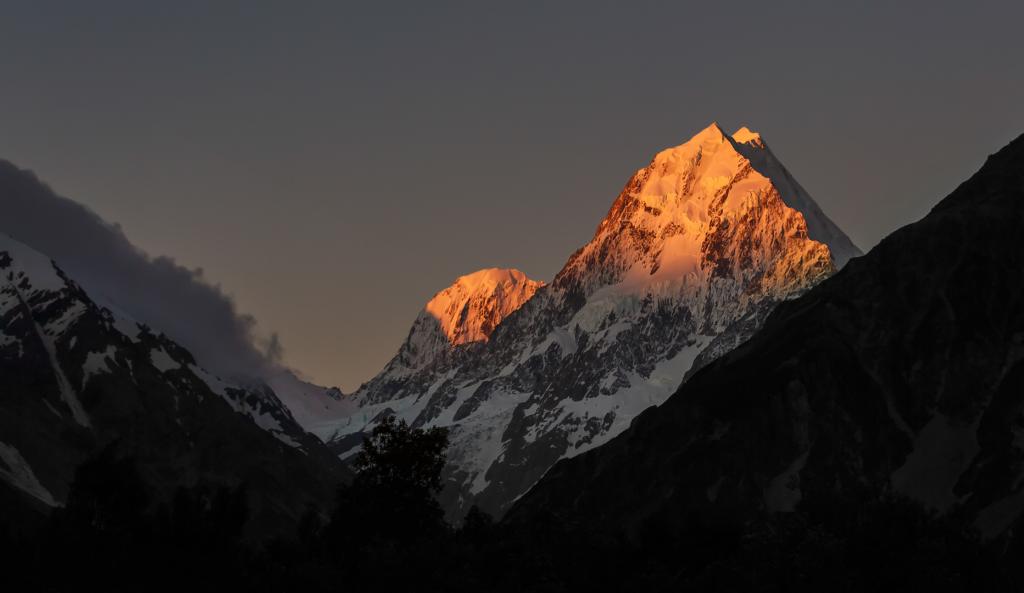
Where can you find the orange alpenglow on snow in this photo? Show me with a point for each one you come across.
(470, 309)
(663, 228)
(745, 135)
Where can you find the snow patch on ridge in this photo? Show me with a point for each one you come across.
(943, 451)
(163, 361)
(16, 471)
(96, 363)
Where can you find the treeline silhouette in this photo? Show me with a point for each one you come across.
(387, 533)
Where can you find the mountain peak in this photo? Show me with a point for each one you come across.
(712, 132)
(470, 309)
(676, 162)
(745, 135)
(711, 136)
(488, 280)
(677, 219)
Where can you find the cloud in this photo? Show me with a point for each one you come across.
(154, 290)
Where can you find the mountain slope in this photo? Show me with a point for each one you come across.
(696, 249)
(78, 378)
(903, 374)
(314, 407)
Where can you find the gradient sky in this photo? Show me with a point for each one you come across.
(332, 165)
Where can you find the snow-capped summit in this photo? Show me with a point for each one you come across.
(662, 223)
(470, 309)
(464, 314)
(698, 247)
(745, 135)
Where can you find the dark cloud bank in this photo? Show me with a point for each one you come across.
(153, 290)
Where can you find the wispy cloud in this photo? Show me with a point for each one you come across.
(154, 290)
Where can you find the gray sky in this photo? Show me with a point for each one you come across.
(332, 165)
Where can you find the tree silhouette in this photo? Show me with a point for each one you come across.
(476, 527)
(107, 495)
(398, 456)
(390, 507)
(102, 530)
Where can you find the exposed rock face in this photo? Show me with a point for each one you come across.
(903, 373)
(77, 378)
(696, 249)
